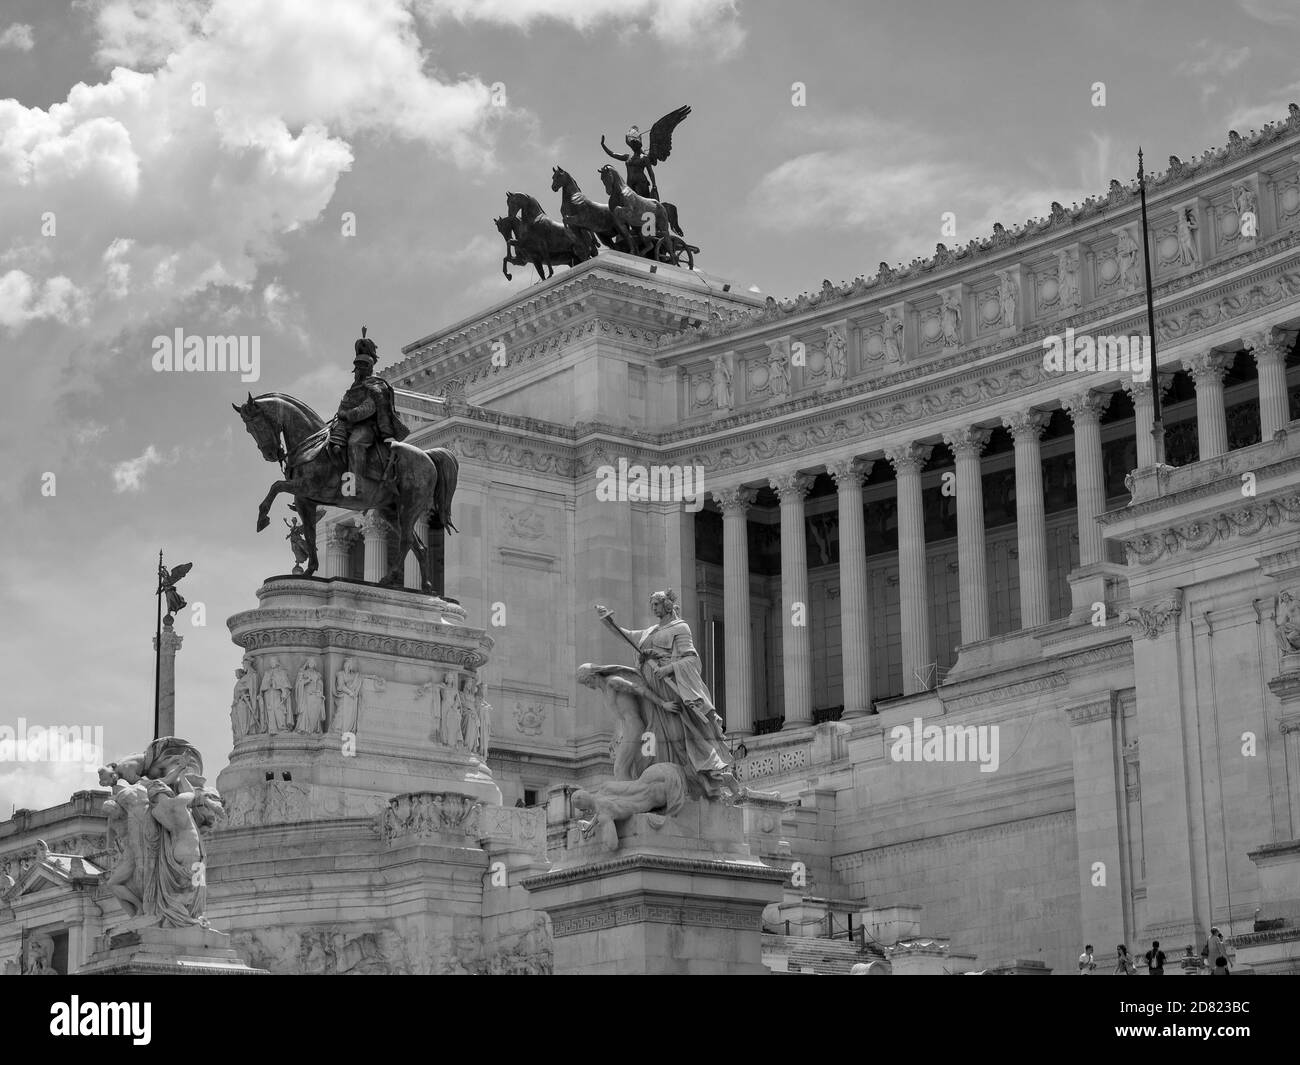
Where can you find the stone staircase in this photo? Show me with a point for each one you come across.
(808, 954)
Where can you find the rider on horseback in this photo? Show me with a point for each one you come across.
(367, 413)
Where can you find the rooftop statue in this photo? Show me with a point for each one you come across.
(672, 746)
(640, 164)
(357, 461)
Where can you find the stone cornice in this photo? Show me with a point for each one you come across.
(732, 870)
(610, 281)
(1102, 708)
(1197, 534)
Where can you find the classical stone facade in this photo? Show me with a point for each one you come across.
(996, 661)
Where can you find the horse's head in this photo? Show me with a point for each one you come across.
(505, 226)
(261, 428)
(610, 179)
(559, 178)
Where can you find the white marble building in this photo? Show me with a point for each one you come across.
(907, 514)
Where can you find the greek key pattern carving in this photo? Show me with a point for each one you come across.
(642, 912)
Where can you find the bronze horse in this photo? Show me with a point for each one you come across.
(584, 214)
(540, 239)
(425, 480)
(646, 225)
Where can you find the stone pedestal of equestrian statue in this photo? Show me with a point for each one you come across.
(350, 694)
(681, 895)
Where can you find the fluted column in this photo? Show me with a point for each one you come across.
(339, 538)
(1026, 428)
(1085, 409)
(375, 531)
(1207, 371)
(796, 647)
(171, 643)
(1144, 413)
(855, 636)
(967, 444)
(1274, 403)
(914, 600)
(411, 577)
(739, 708)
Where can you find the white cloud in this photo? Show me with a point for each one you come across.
(1212, 58)
(128, 476)
(158, 199)
(1255, 116)
(17, 36)
(711, 25)
(36, 785)
(1274, 12)
(24, 299)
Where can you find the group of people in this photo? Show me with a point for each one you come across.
(1215, 953)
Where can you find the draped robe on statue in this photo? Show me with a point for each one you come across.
(688, 731)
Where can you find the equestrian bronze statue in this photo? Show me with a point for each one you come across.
(357, 461)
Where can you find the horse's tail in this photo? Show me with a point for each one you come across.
(671, 208)
(448, 468)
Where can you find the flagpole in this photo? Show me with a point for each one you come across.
(157, 648)
(1157, 422)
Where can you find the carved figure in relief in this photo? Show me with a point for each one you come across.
(950, 320)
(449, 709)
(241, 706)
(40, 955)
(1287, 619)
(277, 695)
(309, 694)
(470, 725)
(1243, 198)
(1067, 278)
(1127, 252)
(722, 395)
(778, 373)
(1007, 296)
(349, 685)
(1187, 253)
(893, 335)
(837, 348)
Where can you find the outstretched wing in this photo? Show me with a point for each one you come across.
(180, 571)
(661, 135)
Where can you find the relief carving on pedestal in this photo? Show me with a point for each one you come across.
(1156, 617)
(523, 523)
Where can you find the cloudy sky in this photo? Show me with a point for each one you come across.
(187, 164)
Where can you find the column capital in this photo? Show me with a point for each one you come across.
(968, 441)
(1027, 423)
(1266, 347)
(792, 485)
(1086, 406)
(1142, 389)
(738, 499)
(909, 458)
(340, 533)
(374, 525)
(1207, 366)
(850, 471)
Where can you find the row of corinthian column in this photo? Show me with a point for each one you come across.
(967, 443)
